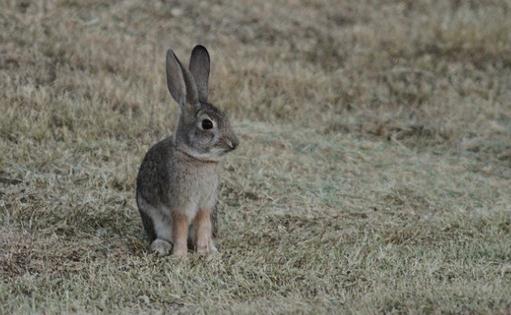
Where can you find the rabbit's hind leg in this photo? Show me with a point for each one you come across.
(161, 247)
(157, 225)
(163, 229)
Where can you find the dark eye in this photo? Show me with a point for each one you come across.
(206, 124)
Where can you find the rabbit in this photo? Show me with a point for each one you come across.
(177, 183)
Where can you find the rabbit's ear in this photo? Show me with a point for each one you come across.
(199, 67)
(180, 82)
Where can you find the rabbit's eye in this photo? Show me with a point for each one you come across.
(206, 124)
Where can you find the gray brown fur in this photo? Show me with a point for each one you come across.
(178, 177)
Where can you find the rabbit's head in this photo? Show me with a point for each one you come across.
(203, 131)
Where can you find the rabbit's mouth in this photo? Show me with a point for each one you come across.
(229, 144)
(220, 151)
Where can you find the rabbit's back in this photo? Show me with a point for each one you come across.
(154, 173)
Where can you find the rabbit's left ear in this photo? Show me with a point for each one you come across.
(180, 82)
(199, 67)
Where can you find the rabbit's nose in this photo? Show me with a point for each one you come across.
(232, 143)
(235, 143)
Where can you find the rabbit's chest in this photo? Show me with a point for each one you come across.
(198, 189)
(205, 187)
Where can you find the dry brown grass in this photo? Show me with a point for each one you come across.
(374, 174)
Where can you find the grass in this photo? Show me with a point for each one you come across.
(374, 174)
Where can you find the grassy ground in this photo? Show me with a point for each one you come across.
(374, 174)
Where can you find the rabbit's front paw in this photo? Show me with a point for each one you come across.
(202, 248)
(180, 251)
(206, 247)
(161, 247)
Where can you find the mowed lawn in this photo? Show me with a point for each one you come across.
(373, 176)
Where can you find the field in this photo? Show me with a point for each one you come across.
(373, 176)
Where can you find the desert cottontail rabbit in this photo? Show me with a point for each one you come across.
(177, 184)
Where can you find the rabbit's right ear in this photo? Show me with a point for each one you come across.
(180, 83)
(199, 67)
